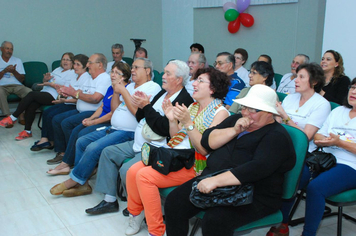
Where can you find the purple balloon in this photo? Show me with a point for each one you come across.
(242, 5)
(229, 5)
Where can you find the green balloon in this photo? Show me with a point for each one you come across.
(231, 15)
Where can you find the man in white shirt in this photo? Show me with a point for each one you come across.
(117, 51)
(287, 84)
(241, 57)
(12, 75)
(196, 61)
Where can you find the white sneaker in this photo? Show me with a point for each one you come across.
(135, 223)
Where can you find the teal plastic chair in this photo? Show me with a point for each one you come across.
(128, 60)
(347, 198)
(277, 78)
(290, 185)
(157, 78)
(41, 109)
(34, 74)
(56, 64)
(334, 105)
(281, 96)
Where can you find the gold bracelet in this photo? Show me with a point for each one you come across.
(286, 120)
(77, 95)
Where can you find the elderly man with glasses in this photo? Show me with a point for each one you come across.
(225, 62)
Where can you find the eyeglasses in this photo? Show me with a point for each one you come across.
(64, 59)
(238, 58)
(200, 80)
(220, 63)
(116, 73)
(91, 62)
(251, 110)
(253, 72)
(352, 87)
(136, 67)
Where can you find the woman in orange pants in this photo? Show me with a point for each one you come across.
(185, 124)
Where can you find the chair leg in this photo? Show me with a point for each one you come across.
(120, 189)
(339, 221)
(195, 227)
(39, 121)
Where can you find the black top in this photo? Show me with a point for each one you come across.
(337, 89)
(260, 157)
(160, 124)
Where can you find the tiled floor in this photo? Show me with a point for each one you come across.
(27, 207)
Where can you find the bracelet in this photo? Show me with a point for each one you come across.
(77, 95)
(286, 120)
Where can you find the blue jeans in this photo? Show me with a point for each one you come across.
(79, 131)
(63, 124)
(336, 180)
(89, 148)
(47, 116)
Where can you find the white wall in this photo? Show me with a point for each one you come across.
(44, 29)
(177, 29)
(339, 32)
(280, 30)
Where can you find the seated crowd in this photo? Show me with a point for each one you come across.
(103, 116)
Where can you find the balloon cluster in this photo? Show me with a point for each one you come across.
(234, 14)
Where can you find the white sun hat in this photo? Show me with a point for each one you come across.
(260, 97)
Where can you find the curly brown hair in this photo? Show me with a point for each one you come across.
(219, 81)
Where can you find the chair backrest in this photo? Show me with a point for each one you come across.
(128, 60)
(56, 64)
(292, 177)
(34, 72)
(334, 105)
(281, 96)
(157, 78)
(277, 78)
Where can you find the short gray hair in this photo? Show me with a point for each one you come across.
(306, 58)
(102, 59)
(5, 42)
(147, 64)
(118, 46)
(201, 58)
(182, 70)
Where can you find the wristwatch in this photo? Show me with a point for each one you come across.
(190, 127)
(77, 95)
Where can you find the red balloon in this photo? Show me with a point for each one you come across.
(246, 19)
(234, 26)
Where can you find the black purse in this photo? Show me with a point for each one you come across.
(235, 195)
(320, 161)
(166, 160)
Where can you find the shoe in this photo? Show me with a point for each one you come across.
(134, 224)
(126, 212)
(7, 122)
(23, 135)
(64, 171)
(58, 189)
(281, 230)
(78, 190)
(56, 160)
(38, 147)
(103, 207)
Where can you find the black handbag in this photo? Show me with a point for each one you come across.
(166, 160)
(320, 161)
(235, 195)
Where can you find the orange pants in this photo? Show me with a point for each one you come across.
(142, 183)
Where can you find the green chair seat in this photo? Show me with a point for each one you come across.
(344, 197)
(269, 220)
(334, 105)
(13, 98)
(165, 191)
